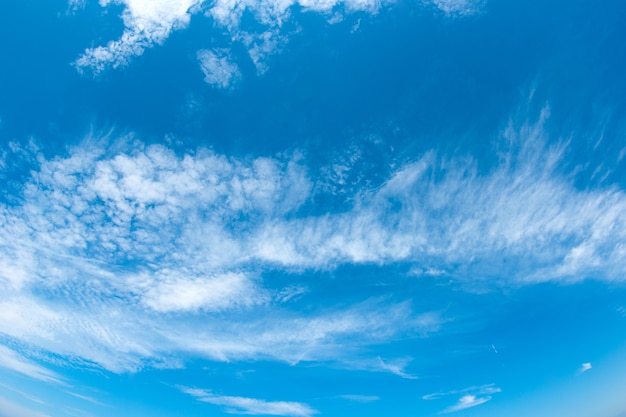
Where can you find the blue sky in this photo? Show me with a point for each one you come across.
(312, 208)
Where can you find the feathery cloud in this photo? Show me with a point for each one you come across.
(252, 406)
(10, 409)
(10, 359)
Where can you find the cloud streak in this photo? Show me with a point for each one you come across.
(10, 359)
(10, 409)
(252, 406)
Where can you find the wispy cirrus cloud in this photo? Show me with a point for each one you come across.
(251, 406)
(488, 389)
(396, 367)
(10, 359)
(11, 409)
(469, 397)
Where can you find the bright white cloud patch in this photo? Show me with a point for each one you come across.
(585, 367)
(252, 406)
(218, 69)
(147, 23)
(467, 401)
(215, 293)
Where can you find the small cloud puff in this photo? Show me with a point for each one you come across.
(465, 402)
(218, 69)
(584, 367)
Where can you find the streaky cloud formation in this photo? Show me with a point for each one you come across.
(470, 397)
(252, 406)
(396, 368)
(14, 361)
(360, 398)
(488, 389)
(11, 409)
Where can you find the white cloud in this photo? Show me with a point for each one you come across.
(158, 240)
(218, 68)
(584, 367)
(12, 360)
(86, 398)
(252, 406)
(488, 389)
(465, 402)
(215, 293)
(150, 22)
(396, 368)
(147, 23)
(470, 397)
